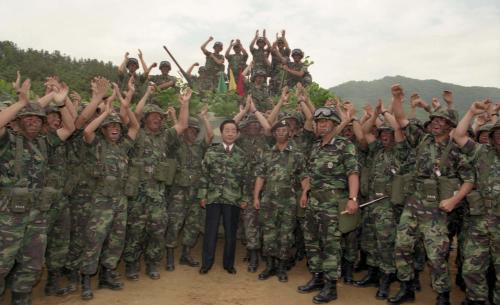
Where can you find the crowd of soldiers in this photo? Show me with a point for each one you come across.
(84, 186)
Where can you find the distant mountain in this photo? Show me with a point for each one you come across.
(361, 92)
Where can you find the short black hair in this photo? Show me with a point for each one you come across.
(225, 122)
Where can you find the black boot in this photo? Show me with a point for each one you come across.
(186, 258)
(315, 283)
(152, 271)
(443, 298)
(328, 293)
(106, 280)
(73, 276)
(348, 268)
(253, 262)
(370, 280)
(270, 269)
(86, 293)
(52, 285)
(469, 302)
(459, 280)
(383, 287)
(281, 273)
(416, 282)
(21, 298)
(405, 294)
(132, 271)
(247, 256)
(170, 259)
(361, 265)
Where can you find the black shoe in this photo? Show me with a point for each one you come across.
(86, 293)
(405, 294)
(383, 287)
(328, 293)
(315, 283)
(443, 298)
(361, 264)
(469, 302)
(74, 279)
(300, 254)
(253, 262)
(106, 280)
(204, 270)
(459, 281)
(270, 269)
(281, 273)
(152, 271)
(170, 259)
(230, 270)
(132, 271)
(371, 279)
(348, 268)
(186, 258)
(21, 298)
(52, 286)
(247, 256)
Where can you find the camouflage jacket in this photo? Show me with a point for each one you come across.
(330, 165)
(292, 80)
(160, 79)
(223, 176)
(281, 169)
(385, 164)
(259, 59)
(275, 62)
(252, 147)
(140, 84)
(189, 158)
(58, 163)
(237, 63)
(24, 163)
(260, 96)
(212, 68)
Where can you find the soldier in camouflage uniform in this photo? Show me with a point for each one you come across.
(482, 242)
(280, 55)
(105, 233)
(126, 71)
(259, 90)
(148, 171)
(277, 173)
(425, 212)
(332, 172)
(184, 211)
(260, 55)
(223, 191)
(164, 80)
(25, 199)
(237, 62)
(214, 64)
(296, 70)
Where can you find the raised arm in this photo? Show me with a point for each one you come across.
(182, 122)
(251, 47)
(99, 86)
(189, 71)
(204, 45)
(61, 100)
(143, 64)
(231, 44)
(460, 133)
(243, 110)
(142, 102)
(133, 123)
(122, 69)
(209, 134)
(448, 99)
(9, 114)
(260, 117)
(89, 131)
(397, 105)
(276, 110)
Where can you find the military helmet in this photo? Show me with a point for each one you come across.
(448, 115)
(251, 118)
(326, 113)
(113, 117)
(33, 108)
(165, 63)
(51, 108)
(384, 126)
(485, 127)
(278, 124)
(298, 52)
(202, 69)
(217, 44)
(260, 72)
(495, 127)
(132, 60)
(151, 108)
(260, 39)
(194, 123)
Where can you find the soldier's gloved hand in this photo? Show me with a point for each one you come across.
(352, 207)
(203, 202)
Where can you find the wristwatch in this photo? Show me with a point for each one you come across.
(355, 199)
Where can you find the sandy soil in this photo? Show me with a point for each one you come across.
(185, 286)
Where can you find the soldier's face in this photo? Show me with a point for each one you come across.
(153, 121)
(439, 126)
(296, 57)
(292, 123)
(229, 133)
(112, 132)
(54, 121)
(253, 129)
(484, 137)
(190, 134)
(165, 70)
(132, 67)
(348, 132)
(387, 138)
(281, 134)
(31, 124)
(237, 49)
(259, 79)
(324, 127)
(261, 43)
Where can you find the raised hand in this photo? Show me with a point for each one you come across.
(126, 55)
(23, 92)
(368, 110)
(210, 38)
(256, 33)
(283, 33)
(17, 83)
(99, 86)
(448, 97)
(61, 93)
(435, 103)
(204, 112)
(186, 96)
(478, 107)
(397, 92)
(139, 53)
(264, 33)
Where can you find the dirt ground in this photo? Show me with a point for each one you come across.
(185, 286)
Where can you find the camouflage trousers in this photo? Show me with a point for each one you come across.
(105, 234)
(419, 256)
(322, 236)
(80, 207)
(277, 217)
(482, 246)
(23, 239)
(184, 213)
(251, 227)
(58, 234)
(146, 225)
(421, 218)
(349, 243)
(379, 235)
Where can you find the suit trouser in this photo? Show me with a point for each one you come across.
(230, 217)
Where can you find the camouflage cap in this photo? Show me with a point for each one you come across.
(384, 126)
(298, 52)
(326, 113)
(165, 63)
(33, 108)
(194, 123)
(260, 72)
(485, 127)
(152, 108)
(113, 117)
(217, 44)
(448, 115)
(132, 61)
(251, 118)
(278, 124)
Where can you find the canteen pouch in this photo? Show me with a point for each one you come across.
(20, 199)
(430, 190)
(448, 187)
(165, 171)
(72, 181)
(476, 203)
(348, 222)
(398, 193)
(364, 181)
(48, 196)
(182, 178)
(132, 186)
(135, 169)
(379, 188)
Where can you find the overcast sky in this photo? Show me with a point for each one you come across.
(453, 41)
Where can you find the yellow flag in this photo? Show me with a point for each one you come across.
(232, 81)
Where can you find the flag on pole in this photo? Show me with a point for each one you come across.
(240, 86)
(221, 86)
(232, 81)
